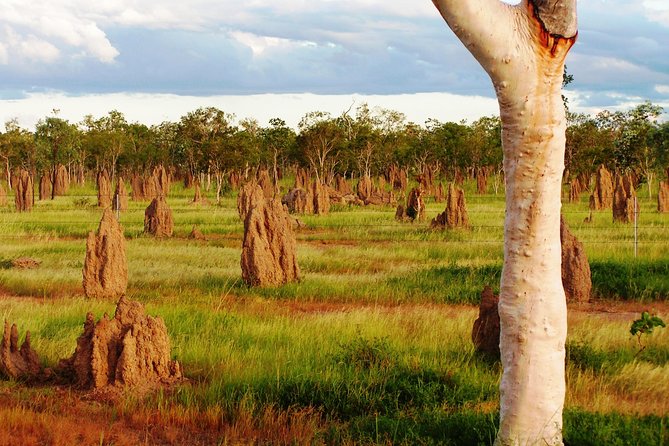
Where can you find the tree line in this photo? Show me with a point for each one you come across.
(356, 143)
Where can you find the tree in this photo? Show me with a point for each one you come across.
(277, 141)
(523, 48)
(318, 143)
(56, 139)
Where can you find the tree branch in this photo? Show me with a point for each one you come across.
(485, 27)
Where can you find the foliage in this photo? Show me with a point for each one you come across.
(645, 326)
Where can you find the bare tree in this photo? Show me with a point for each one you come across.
(523, 48)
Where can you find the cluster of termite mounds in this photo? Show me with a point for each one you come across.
(615, 191)
(129, 350)
(576, 281)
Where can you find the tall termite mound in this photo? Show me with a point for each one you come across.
(439, 194)
(61, 181)
(455, 214)
(415, 209)
(576, 277)
(602, 195)
(624, 200)
(365, 188)
(120, 201)
(269, 248)
(485, 333)
(158, 218)
(44, 187)
(482, 180)
(104, 189)
(15, 362)
(131, 349)
(161, 179)
(575, 190)
(298, 201)
(3, 196)
(105, 267)
(23, 191)
(321, 198)
(137, 187)
(663, 197)
(265, 183)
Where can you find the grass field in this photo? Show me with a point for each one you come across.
(371, 347)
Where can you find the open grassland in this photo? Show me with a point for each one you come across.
(372, 347)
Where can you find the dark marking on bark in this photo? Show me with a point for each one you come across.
(551, 41)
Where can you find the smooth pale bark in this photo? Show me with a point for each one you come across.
(522, 47)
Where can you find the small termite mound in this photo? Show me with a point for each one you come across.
(576, 277)
(61, 182)
(15, 362)
(574, 191)
(158, 218)
(161, 180)
(602, 195)
(3, 196)
(23, 188)
(120, 201)
(439, 194)
(321, 198)
(624, 200)
(137, 186)
(104, 189)
(663, 197)
(364, 188)
(455, 214)
(482, 181)
(415, 209)
(196, 234)
(269, 248)
(485, 333)
(44, 187)
(105, 272)
(26, 263)
(298, 201)
(131, 349)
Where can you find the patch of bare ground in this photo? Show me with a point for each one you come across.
(65, 417)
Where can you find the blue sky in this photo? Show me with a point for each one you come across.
(158, 59)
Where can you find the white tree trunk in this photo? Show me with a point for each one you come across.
(523, 48)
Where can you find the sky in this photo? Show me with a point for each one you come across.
(156, 60)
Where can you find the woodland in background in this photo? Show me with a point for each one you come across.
(208, 145)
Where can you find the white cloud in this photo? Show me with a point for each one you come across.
(657, 11)
(49, 28)
(662, 89)
(259, 44)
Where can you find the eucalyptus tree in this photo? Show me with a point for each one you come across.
(56, 141)
(523, 49)
(17, 149)
(318, 143)
(277, 141)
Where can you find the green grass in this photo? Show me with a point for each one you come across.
(369, 341)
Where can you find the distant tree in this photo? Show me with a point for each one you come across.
(17, 148)
(56, 142)
(318, 143)
(278, 141)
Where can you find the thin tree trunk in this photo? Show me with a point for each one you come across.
(523, 48)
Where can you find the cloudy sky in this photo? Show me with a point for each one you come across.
(158, 59)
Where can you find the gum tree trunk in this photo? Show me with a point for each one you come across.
(523, 47)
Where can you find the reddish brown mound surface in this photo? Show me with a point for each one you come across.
(602, 195)
(129, 350)
(196, 234)
(624, 200)
(415, 209)
(663, 197)
(576, 278)
(158, 218)
(104, 189)
(3, 196)
(23, 188)
(61, 183)
(485, 333)
(44, 187)
(321, 198)
(15, 362)
(105, 268)
(120, 201)
(455, 214)
(268, 250)
(25, 263)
